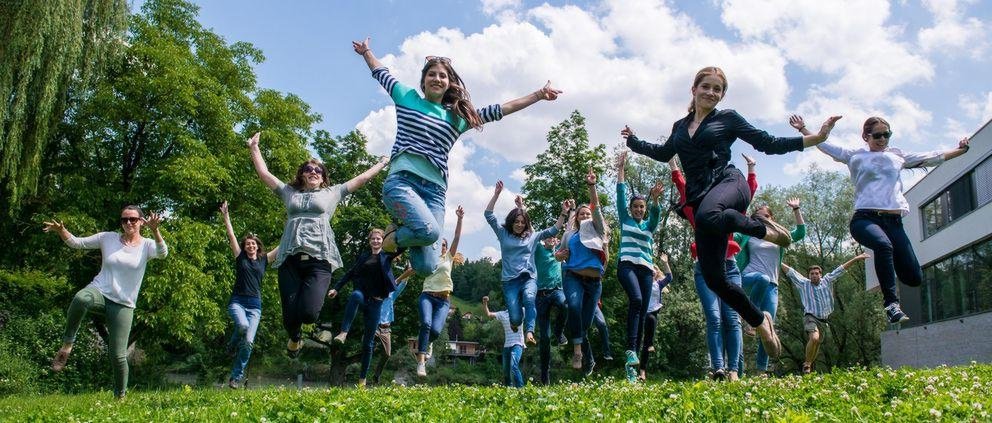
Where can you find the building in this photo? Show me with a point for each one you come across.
(950, 226)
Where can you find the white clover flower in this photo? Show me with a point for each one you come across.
(887, 414)
(935, 412)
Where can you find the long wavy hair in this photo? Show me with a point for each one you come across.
(703, 73)
(456, 97)
(512, 217)
(258, 242)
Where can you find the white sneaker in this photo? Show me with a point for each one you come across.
(421, 370)
(430, 351)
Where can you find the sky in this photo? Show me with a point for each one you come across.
(922, 65)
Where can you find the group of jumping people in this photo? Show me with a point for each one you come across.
(735, 253)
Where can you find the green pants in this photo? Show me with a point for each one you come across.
(118, 317)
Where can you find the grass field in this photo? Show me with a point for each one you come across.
(943, 394)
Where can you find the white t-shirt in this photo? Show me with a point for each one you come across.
(510, 337)
(763, 257)
(875, 174)
(123, 267)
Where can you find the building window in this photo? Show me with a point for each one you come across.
(958, 285)
(951, 204)
(983, 182)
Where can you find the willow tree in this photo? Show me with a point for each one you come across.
(49, 48)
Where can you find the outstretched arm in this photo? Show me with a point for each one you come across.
(962, 148)
(660, 152)
(485, 307)
(810, 140)
(566, 207)
(409, 272)
(496, 192)
(58, 227)
(855, 259)
(458, 231)
(621, 161)
(357, 182)
(260, 168)
(363, 49)
(545, 93)
(231, 238)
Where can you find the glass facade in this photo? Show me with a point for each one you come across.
(958, 285)
(951, 204)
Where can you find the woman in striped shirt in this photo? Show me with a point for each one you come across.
(427, 128)
(635, 268)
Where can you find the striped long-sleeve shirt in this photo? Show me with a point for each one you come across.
(425, 128)
(636, 237)
(818, 299)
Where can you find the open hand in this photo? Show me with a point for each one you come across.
(223, 208)
(153, 220)
(499, 188)
(53, 225)
(797, 122)
(793, 203)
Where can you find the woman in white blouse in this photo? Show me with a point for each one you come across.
(114, 291)
(879, 204)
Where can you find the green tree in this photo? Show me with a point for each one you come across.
(50, 49)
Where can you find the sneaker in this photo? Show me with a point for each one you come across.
(58, 363)
(608, 357)
(325, 336)
(530, 338)
(576, 361)
(422, 369)
(294, 354)
(341, 337)
(732, 376)
(588, 372)
(775, 233)
(631, 374)
(562, 340)
(719, 375)
(385, 337)
(631, 358)
(651, 349)
(233, 383)
(807, 368)
(769, 339)
(389, 239)
(895, 313)
(430, 351)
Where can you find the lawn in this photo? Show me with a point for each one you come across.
(943, 394)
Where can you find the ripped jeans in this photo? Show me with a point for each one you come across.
(417, 208)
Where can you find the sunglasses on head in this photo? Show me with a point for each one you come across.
(441, 59)
(131, 220)
(313, 169)
(880, 135)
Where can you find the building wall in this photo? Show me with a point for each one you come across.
(951, 342)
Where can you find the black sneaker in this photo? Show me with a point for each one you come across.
(589, 368)
(719, 375)
(895, 314)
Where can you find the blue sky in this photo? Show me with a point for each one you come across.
(922, 65)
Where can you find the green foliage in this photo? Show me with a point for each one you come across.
(50, 49)
(956, 394)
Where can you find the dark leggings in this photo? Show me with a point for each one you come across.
(636, 281)
(650, 324)
(720, 213)
(302, 287)
(894, 256)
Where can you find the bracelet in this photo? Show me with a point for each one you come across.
(800, 129)
(965, 148)
(795, 208)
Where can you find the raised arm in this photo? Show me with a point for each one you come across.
(794, 203)
(545, 93)
(407, 274)
(357, 182)
(621, 161)
(855, 259)
(232, 240)
(260, 168)
(453, 249)
(752, 175)
(496, 191)
(962, 148)
(485, 307)
(566, 208)
(659, 152)
(153, 220)
(810, 139)
(597, 214)
(272, 254)
(363, 49)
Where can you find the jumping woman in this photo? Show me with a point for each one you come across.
(435, 299)
(114, 291)
(718, 191)
(245, 306)
(427, 128)
(307, 252)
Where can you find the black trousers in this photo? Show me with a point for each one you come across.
(303, 284)
(719, 214)
(894, 255)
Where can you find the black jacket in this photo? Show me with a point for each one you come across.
(385, 266)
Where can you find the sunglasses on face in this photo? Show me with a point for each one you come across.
(313, 169)
(880, 135)
(441, 59)
(131, 220)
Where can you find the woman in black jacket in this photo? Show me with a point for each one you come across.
(718, 191)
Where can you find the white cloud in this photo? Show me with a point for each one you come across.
(379, 127)
(493, 7)
(491, 252)
(951, 31)
(977, 106)
(519, 175)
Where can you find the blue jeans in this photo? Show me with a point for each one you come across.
(764, 294)
(433, 313)
(582, 294)
(636, 282)
(894, 255)
(546, 300)
(512, 376)
(599, 320)
(723, 329)
(521, 288)
(245, 326)
(372, 311)
(417, 207)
